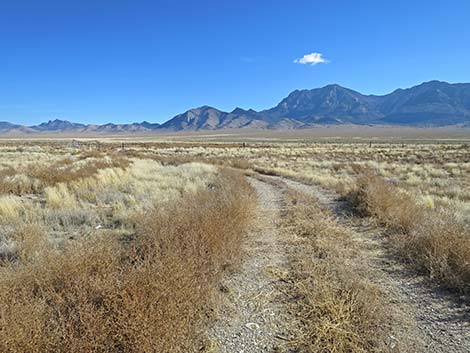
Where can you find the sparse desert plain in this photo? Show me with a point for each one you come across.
(234, 176)
(263, 242)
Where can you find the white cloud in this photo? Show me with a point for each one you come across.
(312, 59)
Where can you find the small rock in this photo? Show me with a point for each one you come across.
(252, 326)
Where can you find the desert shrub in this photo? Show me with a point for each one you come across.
(394, 208)
(29, 241)
(65, 172)
(150, 292)
(435, 240)
(239, 163)
(19, 184)
(35, 177)
(439, 246)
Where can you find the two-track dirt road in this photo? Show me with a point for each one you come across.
(254, 315)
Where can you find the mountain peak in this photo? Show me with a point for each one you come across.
(333, 86)
(434, 83)
(238, 110)
(241, 111)
(204, 117)
(205, 107)
(57, 124)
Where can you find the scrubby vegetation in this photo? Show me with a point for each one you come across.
(420, 191)
(116, 247)
(435, 239)
(123, 257)
(437, 171)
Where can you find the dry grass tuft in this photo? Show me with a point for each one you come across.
(59, 197)
(11, 208)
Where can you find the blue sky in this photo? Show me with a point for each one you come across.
(97, 61)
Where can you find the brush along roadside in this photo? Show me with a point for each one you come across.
(339, 309)
(435, 240)
(152, 292)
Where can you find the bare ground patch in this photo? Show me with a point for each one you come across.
(254, 315)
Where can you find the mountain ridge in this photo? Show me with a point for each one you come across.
(432, 103)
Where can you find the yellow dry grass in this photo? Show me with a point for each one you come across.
(11, 208)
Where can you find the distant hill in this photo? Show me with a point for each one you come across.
(433, 103)
(62, 126)
(209, 118)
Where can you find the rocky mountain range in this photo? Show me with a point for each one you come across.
(433, 103)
